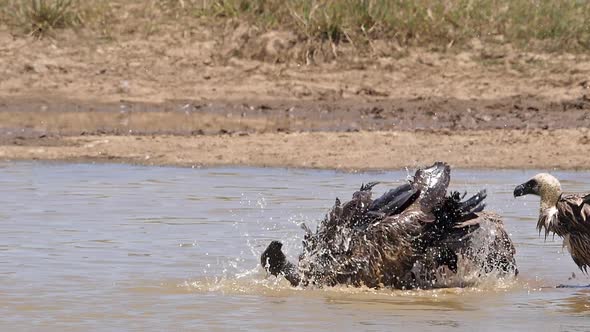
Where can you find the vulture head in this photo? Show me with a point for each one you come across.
(275, 262)
(273, 259)
(544, 185)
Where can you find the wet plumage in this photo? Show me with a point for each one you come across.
(567, 215)
(402, 239)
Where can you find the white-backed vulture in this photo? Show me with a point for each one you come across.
(567, 215)
(399, 240)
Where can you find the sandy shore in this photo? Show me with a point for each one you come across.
(543, 149)
(349, 135)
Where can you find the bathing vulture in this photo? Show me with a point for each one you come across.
(412, 236)
(567, 215)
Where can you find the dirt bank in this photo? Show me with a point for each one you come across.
(515, 132)
(172, 100)
(172, 68)
(22, 116)
(565, 149)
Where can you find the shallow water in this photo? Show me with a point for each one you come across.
(117, 247)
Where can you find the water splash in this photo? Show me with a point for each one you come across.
(255, 282)
(236, 277)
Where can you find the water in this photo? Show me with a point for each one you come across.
(118, 247)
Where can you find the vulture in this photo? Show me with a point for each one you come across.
(567, 215)
(414, 236)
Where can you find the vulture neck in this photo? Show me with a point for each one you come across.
(549, 198)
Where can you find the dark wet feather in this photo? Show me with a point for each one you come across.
(368, 186)
(394, 201)
(432, 182)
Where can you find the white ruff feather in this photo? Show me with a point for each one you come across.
(551, 214)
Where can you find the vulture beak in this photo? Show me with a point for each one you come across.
(530, 187)
(519, 191)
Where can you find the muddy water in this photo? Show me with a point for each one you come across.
(115, 247)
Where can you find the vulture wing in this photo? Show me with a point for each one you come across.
(574, 226)
(432, 182)
(394, 201)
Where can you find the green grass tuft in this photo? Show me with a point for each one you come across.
(40, 18)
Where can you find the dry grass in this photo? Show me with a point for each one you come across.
(41, 17)
(559, 25)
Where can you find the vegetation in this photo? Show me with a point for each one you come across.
(563, 23)
(40, 18)
(550, 25)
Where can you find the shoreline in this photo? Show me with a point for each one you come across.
(352, 151)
